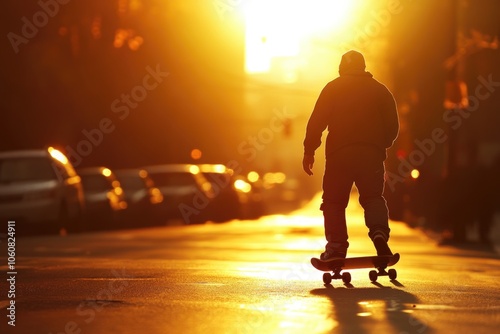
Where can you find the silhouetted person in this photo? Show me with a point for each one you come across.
(362, 122)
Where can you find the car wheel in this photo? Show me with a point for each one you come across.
(76, 223)
(63, 219)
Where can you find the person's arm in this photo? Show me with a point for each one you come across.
(316, 125)
(317, 122)
(308, 163)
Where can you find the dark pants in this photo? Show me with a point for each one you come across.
(363, 166)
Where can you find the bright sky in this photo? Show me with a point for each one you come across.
(279, 28)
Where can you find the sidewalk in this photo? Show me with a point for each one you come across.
(401, 233)
(474, 243)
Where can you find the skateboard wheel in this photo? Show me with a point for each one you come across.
(392, 273)
(346, 278)
(373, 275)
(327, 278)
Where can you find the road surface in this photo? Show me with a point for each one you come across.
(242, 277)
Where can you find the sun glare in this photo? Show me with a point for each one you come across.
(277, 28)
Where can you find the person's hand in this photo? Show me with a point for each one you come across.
(307, 163)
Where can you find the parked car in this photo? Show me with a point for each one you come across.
(228, 200)
(187, 193)
(104, 198)
(40, 190)
(284, 192)
(143, 197)
(250, 193)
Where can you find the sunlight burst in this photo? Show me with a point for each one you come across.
(276, 28)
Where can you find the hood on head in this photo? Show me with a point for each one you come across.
(352, 62)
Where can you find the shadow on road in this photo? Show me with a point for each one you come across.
(376, 309)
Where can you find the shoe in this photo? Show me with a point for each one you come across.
(331, 254)
(381, 246)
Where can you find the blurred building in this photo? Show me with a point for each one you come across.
(448, 107)
(237, 80)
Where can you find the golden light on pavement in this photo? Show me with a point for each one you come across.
(278, 28)
(298, 315)
(375, 309)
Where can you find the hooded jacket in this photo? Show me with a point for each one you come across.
(356, 108)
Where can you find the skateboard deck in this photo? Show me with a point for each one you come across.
(337, 265)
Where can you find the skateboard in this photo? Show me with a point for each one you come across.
(337, 265)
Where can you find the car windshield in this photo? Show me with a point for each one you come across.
(26, 169)
(96, 182)
(131, 183)
(218, 178)
(172, 179)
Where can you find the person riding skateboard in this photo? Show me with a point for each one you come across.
(362, 120)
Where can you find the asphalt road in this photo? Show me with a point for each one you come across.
(242, 277)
